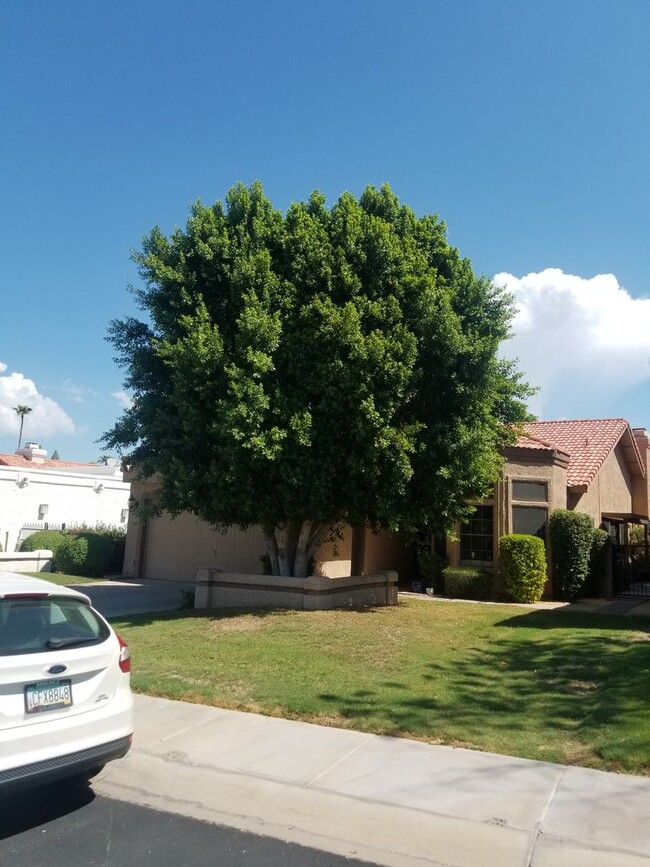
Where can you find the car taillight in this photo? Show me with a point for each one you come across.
(125, 655)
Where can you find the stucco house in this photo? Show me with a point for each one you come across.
(177, 548)
(594, 466)
(37, 493)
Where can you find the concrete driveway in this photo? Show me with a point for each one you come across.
(141, 596)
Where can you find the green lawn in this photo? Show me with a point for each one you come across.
(551, 685)
(60, 578)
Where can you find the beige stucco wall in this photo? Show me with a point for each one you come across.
(385, 550)
(547, 472)
(641, 486)
(314, 593)
(553, 475)
(175, 548)
(610, 491)
(334, 559)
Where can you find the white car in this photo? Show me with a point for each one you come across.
(65, 697)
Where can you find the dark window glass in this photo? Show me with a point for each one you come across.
(477, 539)
(536, 491)
(41, 625)
(529, 520)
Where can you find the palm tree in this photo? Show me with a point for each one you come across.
(22, 411)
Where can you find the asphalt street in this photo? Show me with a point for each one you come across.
(71, 826)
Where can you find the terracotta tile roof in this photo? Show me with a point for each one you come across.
(525, 441)
(588, 442)
(24, 464)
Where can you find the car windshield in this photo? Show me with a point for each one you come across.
(37, 625)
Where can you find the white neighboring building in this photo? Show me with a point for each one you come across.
(39, 494)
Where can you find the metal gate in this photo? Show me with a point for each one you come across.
(631, 570)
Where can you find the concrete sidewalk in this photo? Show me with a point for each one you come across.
(384, 800)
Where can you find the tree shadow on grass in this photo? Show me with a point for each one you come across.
(564, 618)
(560, 692)
(133, 620)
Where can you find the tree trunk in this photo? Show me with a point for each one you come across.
(290, 551)
(318, 536)
(272, 552)
(301, 561)
(284, 555)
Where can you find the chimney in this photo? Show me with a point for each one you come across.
(33, 452)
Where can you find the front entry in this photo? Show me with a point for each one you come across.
(631, 565)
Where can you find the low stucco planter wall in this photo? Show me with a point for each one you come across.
(316, 593)
(26, 561)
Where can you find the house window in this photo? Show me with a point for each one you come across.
(529, 520)
(477, 539)
(535, 491)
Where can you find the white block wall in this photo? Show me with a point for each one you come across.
(87, 496)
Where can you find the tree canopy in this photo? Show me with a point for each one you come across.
(325, 365)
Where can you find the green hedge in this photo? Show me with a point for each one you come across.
(48, 540)
(70, 557)
(80, 551)
(522, 562)
(571, 542)
(92, 553)
(466, 583)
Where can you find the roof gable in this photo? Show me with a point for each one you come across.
(588, 442)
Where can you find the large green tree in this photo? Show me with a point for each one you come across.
(322, 366)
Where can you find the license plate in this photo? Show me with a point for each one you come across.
(48, 695)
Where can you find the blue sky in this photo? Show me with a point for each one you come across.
(524, 125)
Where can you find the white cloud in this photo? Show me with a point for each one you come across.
(123, 399)
(76, 393)
(46, 417)
(578, 333)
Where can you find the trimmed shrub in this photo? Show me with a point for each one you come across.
(522, 562)
(597, 558)
(49, 540)
(103, 553)
(571, 539)
(466, 583)
(106, 552)
(70, 557)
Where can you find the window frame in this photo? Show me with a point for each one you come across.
(541, 533)
(520, 499)
(482, 562)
